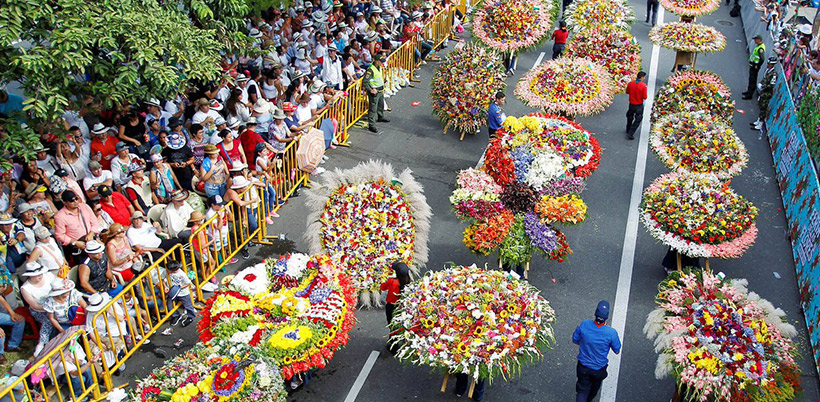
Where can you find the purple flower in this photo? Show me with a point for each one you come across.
(542, 236)
(563, 186)
(522, 159)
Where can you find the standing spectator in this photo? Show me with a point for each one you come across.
(560, 36)
(201, 244)
(70, 182)
(95, 274)
(73, 154)
(394, 287)
(179, 279)
(245, 204)
(495, 113)
(219, 229)
(250, 139)
(373, 83)
(332, 68)
(652, 11)
(181, 159)
(103, 147)
(74, 224)
(176, 215)
(98, 176)
(214, 171)
(116, 205)
(204, 116)
(155, 113)
(133, 130)
(111, 327)
(197, 142)
(279, 135)
(35, 292)
(594, 339)
(163, 180)
(637, 94)
(230, 149)
(755, 61)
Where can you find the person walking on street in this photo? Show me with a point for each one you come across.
(374, 85)
(637, 94)
(495, 114)
(594, 339)
(766, 88)
(755, 61)
(652, 11)
(560, 36)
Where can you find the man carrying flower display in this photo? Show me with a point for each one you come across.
(373, 82)
(637, 94)
(755, 61)
(594, 340)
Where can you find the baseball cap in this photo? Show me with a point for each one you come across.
(602, 311)
(217, 199)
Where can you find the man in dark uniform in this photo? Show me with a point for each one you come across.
(373, 83)
(766, 88)
(755, 61)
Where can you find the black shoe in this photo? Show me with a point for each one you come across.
(245, 254)
(187, 322)
(747, 97)
(373, 130)
(631, 137)
(383, 120)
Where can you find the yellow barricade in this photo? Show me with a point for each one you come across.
(69, 367)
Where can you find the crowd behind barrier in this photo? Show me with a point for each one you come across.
(121, 322)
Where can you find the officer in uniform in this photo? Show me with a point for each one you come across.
(766, 88)
(373, 82)
(755, 61)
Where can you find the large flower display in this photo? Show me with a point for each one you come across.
(693, 142)
(532, 176)
(367, 218)
(464, 85)
(511, 25)
(473, 321)
(721, 342)
(569, 86)
(584, 14)
(616, 50)
(208, 374)
(298, 321)
(699, 216)
(691, 8)
(688, 37)
(689, 91)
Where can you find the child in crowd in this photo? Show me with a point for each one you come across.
(201, 243)
(179, 278)
(63, 304)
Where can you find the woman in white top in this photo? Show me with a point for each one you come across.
(46, 251)
(35, 292)
(236, 107)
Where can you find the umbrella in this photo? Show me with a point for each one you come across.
(55, 341)
(310, 151)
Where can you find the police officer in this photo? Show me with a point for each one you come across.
(373, 82)
(755, 61)
(766, 88)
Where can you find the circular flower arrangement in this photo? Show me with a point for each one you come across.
(532, 176)
(367, 218)
(689, 91)
(691, 8)
(511, 25)
(699, 216)
(299, 321)
(568, 86)
(616, 50)
(688, 37)
(692, 142)
(464, 85)
(584, 14)
(207, 374)
(721, 342)
(473, 321)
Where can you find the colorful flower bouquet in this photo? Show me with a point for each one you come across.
(691, 8)
(689, 91)
(585, 14)
(688, 37)
(367, 218)
(693, 142)
(568, 86)
(298, 322)
(721, 342)
(699, 216)
(532, 176)
(511, 25)
(473, 321)
(616, 50)
(464, 85)
(207, 374)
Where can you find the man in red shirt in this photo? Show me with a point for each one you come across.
(560, 36)
(116, 205)
(637, 94)
(103, 146)
(250, 138)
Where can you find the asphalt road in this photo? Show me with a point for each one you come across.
(414, 139)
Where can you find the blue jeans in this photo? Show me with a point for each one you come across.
(77, 382)
(16, 335)
(187, 304)
(253, 220)
(212, 189)
(270, 198)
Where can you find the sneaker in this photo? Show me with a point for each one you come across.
(245, 254)
(187, 322)
(233, 260)
(175, 322)
(319, 170)
(167, 332)
(273, 214)
(325, 158)
(208, 287)
(268, 220)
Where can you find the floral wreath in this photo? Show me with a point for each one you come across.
(473, 321)
(568, 86)
(691, 8)
(694, 90)
(367, 218)
(532, 176)
(584, 14)
(699, 216)
(298, 322)
(511, 25)
(464, 85)
(614, 49)
(688, 37)
(692, 142)
(721, 342)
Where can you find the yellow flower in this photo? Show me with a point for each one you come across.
(290, 336)
(462, 347)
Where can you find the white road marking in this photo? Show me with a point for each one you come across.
(537, 62)
(359, 383)
(609, 389)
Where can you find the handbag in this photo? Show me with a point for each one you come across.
(76, 315)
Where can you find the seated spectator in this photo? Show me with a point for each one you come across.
(103, 218)
(181, 159)
(27, 223)
(76, 369)
(33, 175)
(62, 304)
(155, 113)
(133, 130)
(98, 177)
(179, 280)
(144, 235)
(214, 171)
(44, 209)
(35, 292)
(48, 254)
(116, 205)
(95, 274)
(73, 154)
(176, 215)
(138, 189)
(45, 162)
(121, 256)
(70, 183)
(120, 164)
(8, 317)
(163, 180)
(12, 237)
(197, 142)
(103, 147)
(111, 327)
(74, 224)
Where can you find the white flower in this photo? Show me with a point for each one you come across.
(545, 167)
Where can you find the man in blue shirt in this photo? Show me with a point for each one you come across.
(495, 114)
(594, 340)
(9, 103)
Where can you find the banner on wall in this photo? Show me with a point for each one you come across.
(797, 177)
